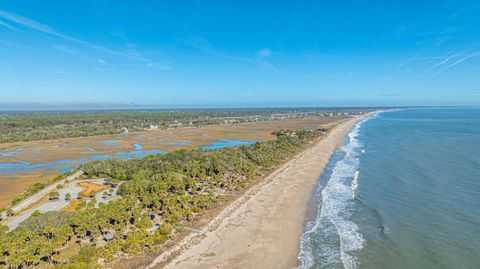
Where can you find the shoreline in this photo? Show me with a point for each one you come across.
(262, 229)
(40, 161)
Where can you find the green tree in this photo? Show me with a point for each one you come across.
(3, 229)
(36, 213)
(91, 194)
(53, 195)
(10, 212)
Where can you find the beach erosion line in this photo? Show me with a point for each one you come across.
(332, 239)
(264, 230)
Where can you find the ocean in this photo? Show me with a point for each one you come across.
(403, 192)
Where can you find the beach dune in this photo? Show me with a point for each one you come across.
(262, 229)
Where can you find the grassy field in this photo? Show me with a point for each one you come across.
(49, 151)
(72, 206)
(89, 187)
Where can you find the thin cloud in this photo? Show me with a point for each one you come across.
(415, 58)
(264, 53)
(202, 44)
(442, 62)
(26, 22)
(46, 29)
(458, 61)
(406, 61)
(8, 26)
(83, 56)
(187, 25)
(449, 61)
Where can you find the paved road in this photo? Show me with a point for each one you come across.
(37, 196)
(59, 204)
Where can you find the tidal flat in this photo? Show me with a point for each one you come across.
(23, 164)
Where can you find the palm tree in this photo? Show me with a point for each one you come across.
(9, 212)
(53, 195)
(91, 194)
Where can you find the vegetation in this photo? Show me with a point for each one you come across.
(156, 193)
(54, 195)
(30, 191)
(28, 126)
(40, 186)
(9, 212)
(36, 213)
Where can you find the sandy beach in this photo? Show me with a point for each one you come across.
(23, 164)
(263, 228)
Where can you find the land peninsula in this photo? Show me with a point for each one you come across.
(160, 201)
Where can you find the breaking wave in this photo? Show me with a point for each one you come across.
(333, 239)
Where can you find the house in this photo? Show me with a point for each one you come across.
(175, 124)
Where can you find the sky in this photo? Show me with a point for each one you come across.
(245, 53)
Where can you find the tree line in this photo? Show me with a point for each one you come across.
(158, 194)
(29, 126)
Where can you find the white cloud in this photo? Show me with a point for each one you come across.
(130, 53)
(24, 21)
(458, 61)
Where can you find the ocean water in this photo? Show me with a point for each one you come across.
(403, 192)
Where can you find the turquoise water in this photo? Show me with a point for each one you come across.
(180, 143)
(62, 166)
(228, 143)
(138, 146)
(404, 192)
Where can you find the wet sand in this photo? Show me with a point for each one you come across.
(66, 151)
(263, 228)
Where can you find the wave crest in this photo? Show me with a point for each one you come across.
(333, 239)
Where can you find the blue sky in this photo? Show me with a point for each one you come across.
(240, 53)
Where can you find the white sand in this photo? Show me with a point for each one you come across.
(263, 229)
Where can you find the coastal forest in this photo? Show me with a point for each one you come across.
(30, 126)
(158, 196)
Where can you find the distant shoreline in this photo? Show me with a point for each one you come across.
(263, 228)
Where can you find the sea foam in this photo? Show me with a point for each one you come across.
(333, 239)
